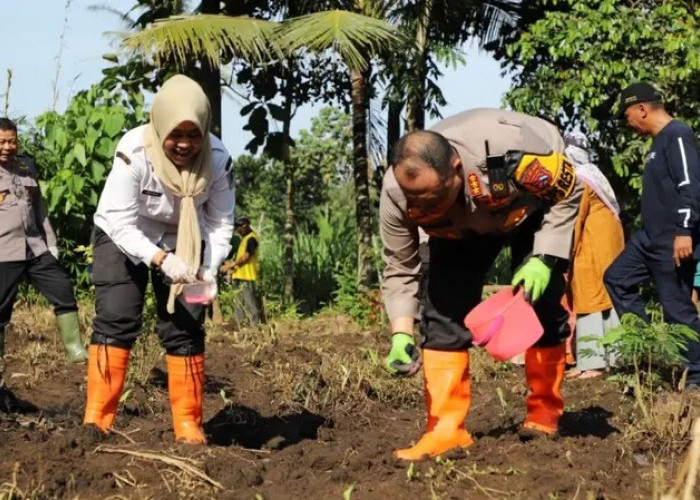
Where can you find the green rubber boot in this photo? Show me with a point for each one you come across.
(72, 339)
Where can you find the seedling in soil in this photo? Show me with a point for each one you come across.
(502, 399)
(410, 472)
(372, 354)
(347, 494)
(125, 396)
(226, 400)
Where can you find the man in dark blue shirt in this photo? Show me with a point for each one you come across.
(664, 248)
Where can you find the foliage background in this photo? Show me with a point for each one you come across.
(568, 59)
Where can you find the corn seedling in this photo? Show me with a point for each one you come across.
(501, 399)
(224, 398)
(347, 493)
(125, 396)
(411, 472)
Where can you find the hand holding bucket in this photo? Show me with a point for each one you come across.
(505, 324)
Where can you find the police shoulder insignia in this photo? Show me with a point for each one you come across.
(123, 157)
(550, 177)
(535, 178)
(23, 165)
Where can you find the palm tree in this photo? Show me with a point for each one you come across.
(435, 29)
(210, 39)
(355, 37)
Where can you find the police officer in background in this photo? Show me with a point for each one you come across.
(664, 248)
(166, 211)
(476, 182)
(28, 245)
(244, 271)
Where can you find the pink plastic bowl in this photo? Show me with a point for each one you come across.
(505, 324)
(198, 293)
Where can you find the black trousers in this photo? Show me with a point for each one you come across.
(46, 274)
(455, 281)
(641, 261)
(120, 287)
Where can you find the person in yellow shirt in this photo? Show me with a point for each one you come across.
(244, 271)
(598, 240)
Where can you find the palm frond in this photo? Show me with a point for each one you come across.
(205, 35)
(355, 37)
(123, 16)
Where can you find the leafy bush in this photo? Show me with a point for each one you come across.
(647, 349)
(74, 151)
(500, 272)
(365, 307)
(321, 250)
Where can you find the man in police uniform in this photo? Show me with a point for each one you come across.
(244, 270)
(477, 181)
(29, 247)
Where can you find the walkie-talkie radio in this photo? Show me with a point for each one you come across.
(497, 173)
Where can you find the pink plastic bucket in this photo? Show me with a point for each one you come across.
(504, 324)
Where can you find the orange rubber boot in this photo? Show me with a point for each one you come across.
(107, 367)
(447, 394)
(544, 371)
(185, 386)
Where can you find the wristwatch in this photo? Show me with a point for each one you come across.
(552, 262)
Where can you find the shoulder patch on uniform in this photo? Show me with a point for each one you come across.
(535, 177)
(550, 177)
(123, 157)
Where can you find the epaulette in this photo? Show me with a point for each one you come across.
(123, 157)
(229, 173)
(25, 164)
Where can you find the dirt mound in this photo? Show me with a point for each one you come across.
(303, 410)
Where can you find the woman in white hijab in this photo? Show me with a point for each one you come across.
(166, 210)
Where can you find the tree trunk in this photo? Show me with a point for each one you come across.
(359, 81)
(393, 127)
(415, 113)
(288, 237)
(210, 75)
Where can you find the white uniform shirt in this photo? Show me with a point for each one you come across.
(141, 216)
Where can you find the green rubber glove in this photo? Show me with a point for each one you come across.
(534, 277)
(404, 358)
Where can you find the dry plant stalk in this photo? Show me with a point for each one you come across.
(180, 463)
(687, 474)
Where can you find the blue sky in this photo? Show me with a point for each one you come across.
(33, 42)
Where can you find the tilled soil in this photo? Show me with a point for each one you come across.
(271, 437)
